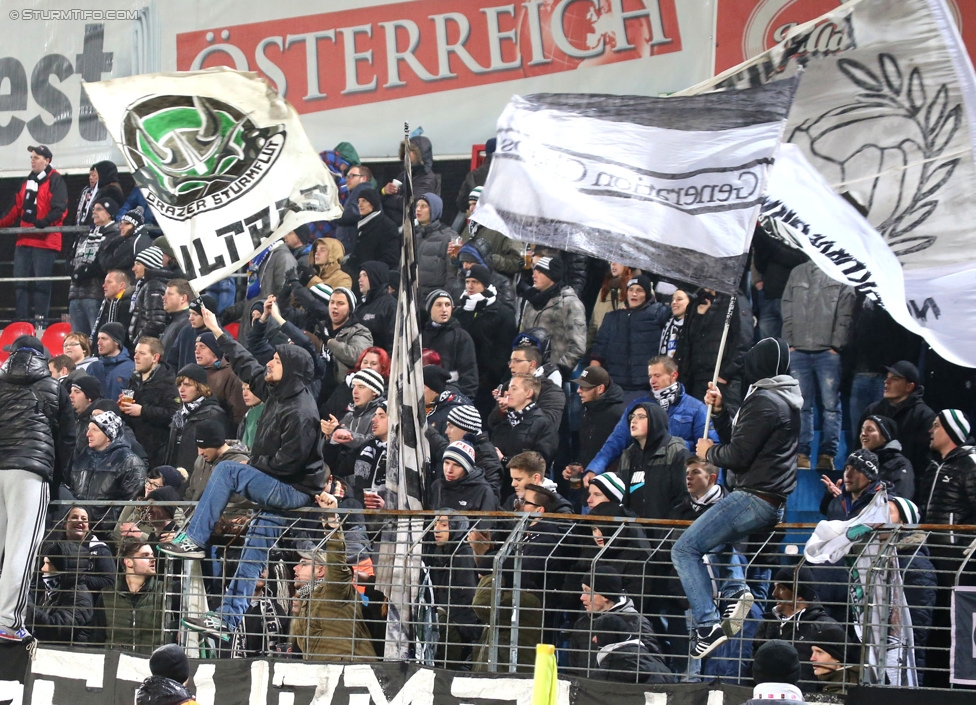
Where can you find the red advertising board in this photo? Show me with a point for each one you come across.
(748, 27)
(384, 52)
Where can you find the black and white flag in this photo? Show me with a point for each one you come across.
(408, 456)
(672, 185)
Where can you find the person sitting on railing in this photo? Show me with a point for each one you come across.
(450, 560)
(328, 624)
(854, 491)
(134, 610)
(759, 451)
(285, 470)
(62, 612)
(833, 653)
(603, 594)
(796, 617)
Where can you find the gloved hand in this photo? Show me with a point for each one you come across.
(29, 217)
(305, 273)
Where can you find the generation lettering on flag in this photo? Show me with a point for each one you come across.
(672, 185)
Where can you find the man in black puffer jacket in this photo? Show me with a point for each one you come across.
(37, 434)
(444, 334)
(758, 450)
(149, 319)
(378, 308)
(285, 472)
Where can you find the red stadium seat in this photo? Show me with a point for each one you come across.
(233, 328)
(54, 336)
(11, 333)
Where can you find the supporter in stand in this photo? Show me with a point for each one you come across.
(77, 347)
(41, 202)
(196, 406)
(62, 612)
(148, 314)
(134, 609)
(154, 401)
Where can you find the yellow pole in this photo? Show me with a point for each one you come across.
(545, 687)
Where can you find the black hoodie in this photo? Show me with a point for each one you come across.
(600, 416)
(288, 443)
(470, 493)
(655, 474)
(378, 308)
(454, 576)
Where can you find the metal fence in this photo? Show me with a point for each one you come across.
(602, 589)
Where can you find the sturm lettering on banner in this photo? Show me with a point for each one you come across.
(708, 191)
(209, 253)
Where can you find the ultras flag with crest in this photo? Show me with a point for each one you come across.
(223, 162)
(408, 458)
(671, 185)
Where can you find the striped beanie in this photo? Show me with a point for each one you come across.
(475, 193)
(152, 257)
(611, 485)
(372, 380)
(462, 454)
(955, 424)
(907, 509)
(350, 297)
(321, 291)
(466, 418)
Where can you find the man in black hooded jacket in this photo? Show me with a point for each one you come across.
(378, 308)
(37, 433)
(758, 449)
(285, 472)
(653, 466)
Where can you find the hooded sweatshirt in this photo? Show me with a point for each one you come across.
(759, 445)
(377, 310)
(655, 474)
(431, 243)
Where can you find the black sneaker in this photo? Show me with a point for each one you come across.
(210, 624)
(736, 611)
(182, 547)
(707, 639)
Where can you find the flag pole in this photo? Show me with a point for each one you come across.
(718, 360)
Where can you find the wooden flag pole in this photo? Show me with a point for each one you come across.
(718, 361)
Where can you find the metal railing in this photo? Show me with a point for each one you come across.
(602, 589)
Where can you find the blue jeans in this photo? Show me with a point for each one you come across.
(818, 370)
(732, 519)
(866, 389)
(83, 313)
(33, 262)
(265, 529)
(770, 318)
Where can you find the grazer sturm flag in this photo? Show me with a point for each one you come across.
(408, 458)
(223, 162)
(802, 210)
(672, 185)
(886, 111)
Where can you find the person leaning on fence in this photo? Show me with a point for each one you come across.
(857, 487)
(834, 661)
(62, 610)
(603, 595)
(329, 624)
(796, 617)
(285, 470)
(134, 609)
(759, 451)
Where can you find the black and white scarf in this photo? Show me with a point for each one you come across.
(31, 186)
(183, 413)
(515, 417)
(706, 500)
(667, 396)
(478, 302)
(669, 336)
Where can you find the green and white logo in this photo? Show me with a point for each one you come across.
(196, 154)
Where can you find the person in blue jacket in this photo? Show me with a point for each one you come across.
(686, 415)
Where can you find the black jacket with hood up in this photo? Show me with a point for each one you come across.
(456, 349)
(377, 311)
(288, 443)
(759, 445)
(655, 474)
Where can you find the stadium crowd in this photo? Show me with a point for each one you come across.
(554, 384)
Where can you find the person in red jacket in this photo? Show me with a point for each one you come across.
(42, 202)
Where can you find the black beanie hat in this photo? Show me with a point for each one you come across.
(115, 331)
(865, 462)
(832, 638)
(109, 205)
(210, 434)
(89, 386)
(644, 283)
(170, 662)
(887, 426)
(436, 378)
(165, 494)
(552, 267)
(803, 579)
(776, 661)
(372, 196)
(195, 372)
(606, 581)
(481, 273)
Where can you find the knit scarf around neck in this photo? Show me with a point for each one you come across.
(515, 417)
(183, 413)
(539, 299)
(667, 396)
(707, 499)
(30, 190)
(478, 302)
